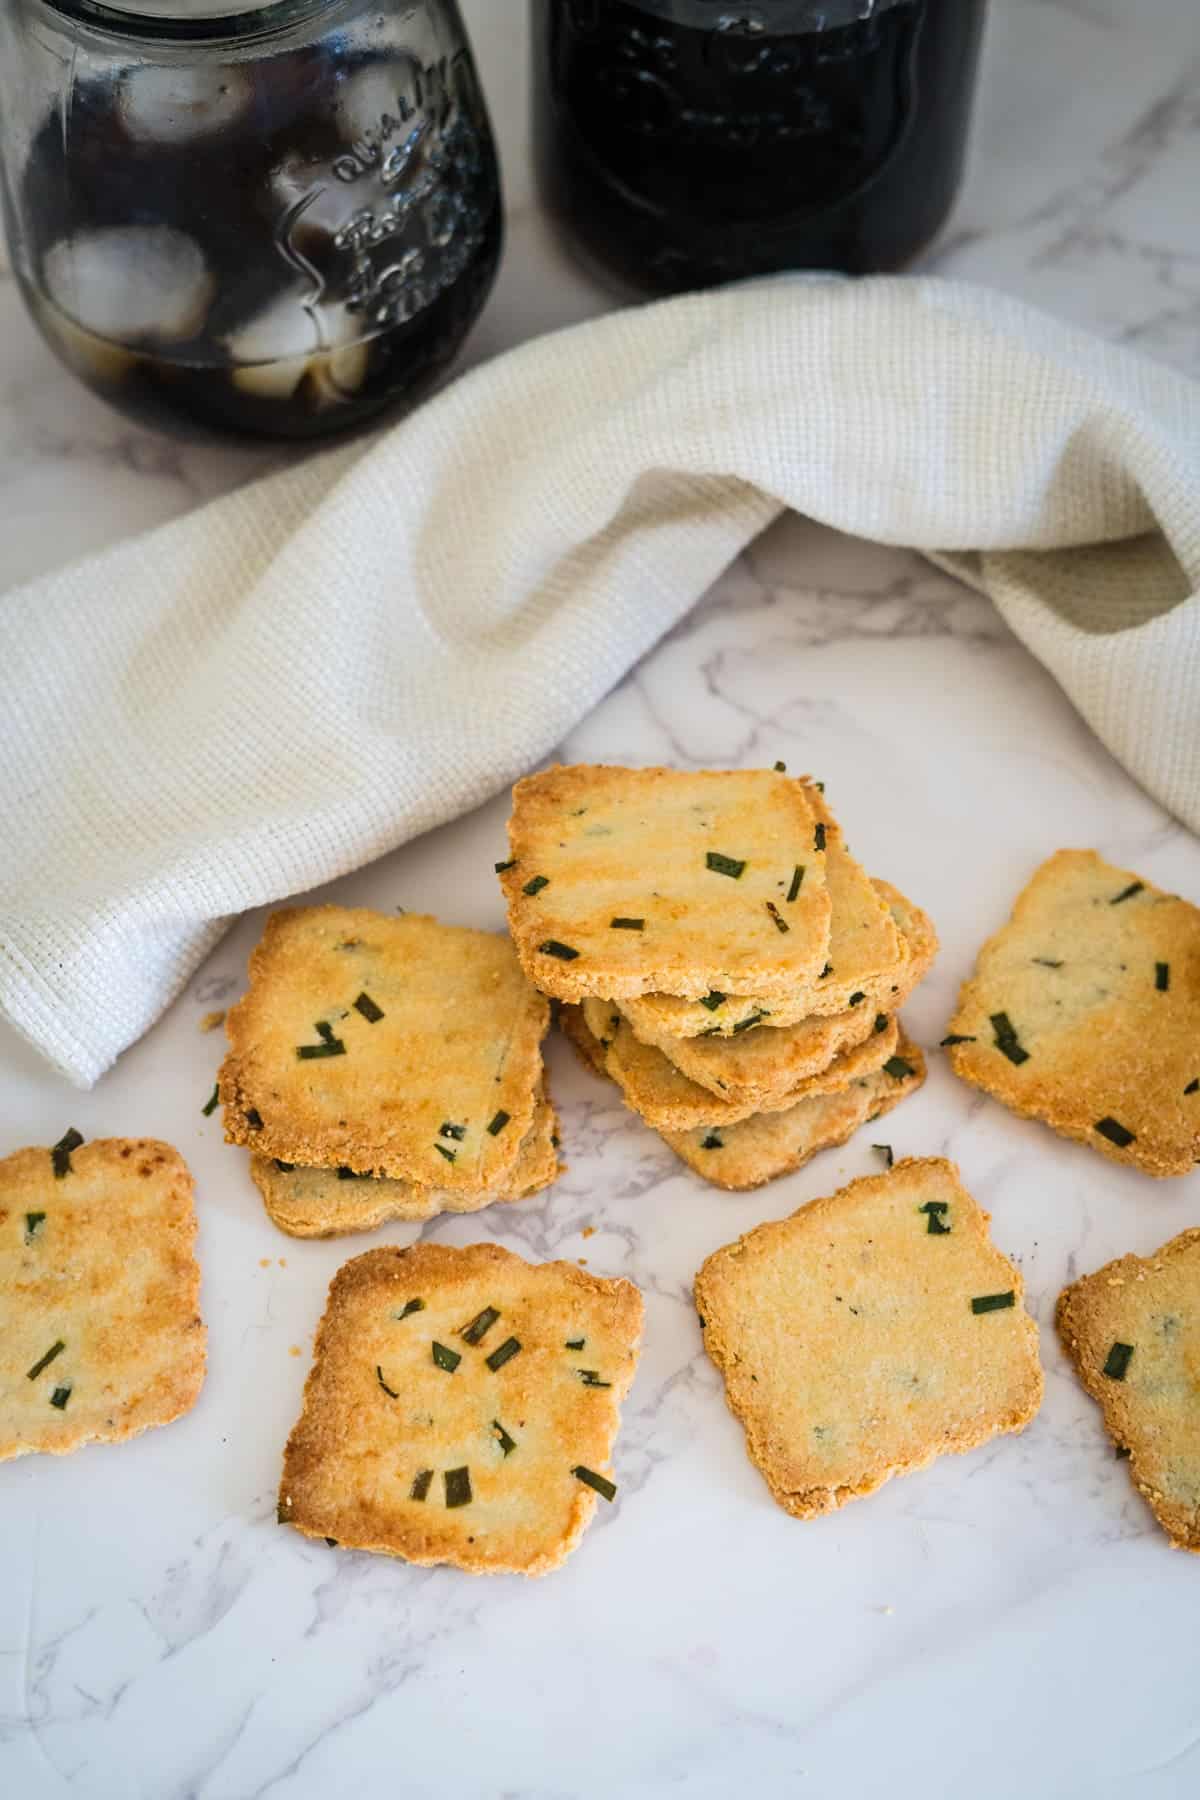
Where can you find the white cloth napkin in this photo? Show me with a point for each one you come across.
(287, 683)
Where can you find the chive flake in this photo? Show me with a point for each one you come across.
(1135, 887)
(881, 1022)
(505, 1353)
(714, 1141)
(1117, 1361)
(985, 1303)
(712, 1000)
(60, 1156)
(752, 1019)
(933, 1209)
(725, 865)
(1007, 1041)
(367, 1007)
(286, 1168)
(535, 885)
(887, 1153)
(457, 1132)
(498, 1123)
(411, 1306)
(1193, 1087)
(254, 1119)
(956, 1037)
(575, 1343)
(600, 1483)
(781, 768)
(445, 1359)
(421, 1484)
(33, 1224)
(819, 838)
(827, 970)
(450, 1155)
(856, 999)
(507, 1444)
(458, 1487)
(797, 879)
(627, 924)
(897, 1068)
(1115, 1132)
(564, 952)
(480, 1325)
(1047, 962)
(502, 868)
(213, 1101)
(329, 1046)
(1162, 976)
(44, 1362)
(781, 923)
(391, 1392)
(59, 1398)
(591, 1378)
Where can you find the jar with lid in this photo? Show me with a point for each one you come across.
(276, 219)
(683, 143)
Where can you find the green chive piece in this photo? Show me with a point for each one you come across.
(60, 1156)
(33, 1224)
(752, 1019)
(575, 1343)
(502, 868)
(410, 1306)
(507, 1444)
(332, 1542)
(956, 1037)
(797, 878)
(44, 1362)
(563, 952)
(421, 1484)
(498, 1123)
(458, 1487)
(213, 1101)
(934, 1210)
(714, 1141)
(606, 1489)
(445, 1359)
(325, 1032)
(827, 970)
(1047, 962)
(985, 1303)
(1162, 976)
(1115, 1133)
(450, 1155)
(887, 1153)
(627, 924)
(59, 1398)
(725, 865)
(856, 999)
(1117, 1361)
(1121, 1452)
(591, 1378)
(819, 838)
(457, 1132)
(897, 1068)
(536, 884)
(1135, 887)
(781, 768)
(1193, 1087)
(781, 923)
(287, 1168)
(1007, 1041)
(505, 1353)
(329, 1046)
(881, 1022)
(820, 786)
(391, 1392)
(712, 1000)
(367, 1007)
(254, 1119)
(480, 1325)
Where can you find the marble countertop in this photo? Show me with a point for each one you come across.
(1008, 1622)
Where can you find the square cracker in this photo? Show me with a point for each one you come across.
(100, 1330)
(1084, 1011)
(668, 1101)
(848, 1342)
(762, 1064)
(327, 1202)
(1133, 1332)
(601, 844)
(384, 1425)
(660, 1017)
(414, 1093)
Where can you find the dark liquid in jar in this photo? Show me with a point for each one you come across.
(294, 299)
(679, 156)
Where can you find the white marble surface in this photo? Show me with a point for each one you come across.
(1007, 1622)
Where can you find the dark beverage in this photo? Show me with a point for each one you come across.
(684, 143)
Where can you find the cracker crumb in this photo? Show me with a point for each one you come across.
(264, 1262)
(211, 1020)
(582, 1261)
(283, 1262)
(588, 1231)
(293, 1350)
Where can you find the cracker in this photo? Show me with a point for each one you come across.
(668, 1101)
(441, 1060)
(1132, 1331)
(391, 1441)
(661, 1018)
(718, 877)
(327, 1202)
(849, 1339)
(100, 1330)
(1084, 1011)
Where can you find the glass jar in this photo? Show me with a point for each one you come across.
(277, 220)
(687, 142)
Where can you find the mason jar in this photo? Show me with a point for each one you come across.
(683, 143)
(274, 216)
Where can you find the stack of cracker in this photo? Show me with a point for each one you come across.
(720, 955)
(386, 1068)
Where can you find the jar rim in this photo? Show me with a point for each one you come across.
(243, 19)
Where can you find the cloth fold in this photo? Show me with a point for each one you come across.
(287, 683)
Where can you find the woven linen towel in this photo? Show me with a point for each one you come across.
(283, 685)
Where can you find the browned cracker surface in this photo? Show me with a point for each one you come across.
(414, 1093)
(1098, 976)
(97, 1268)
(590, 845)
(848, 1343)
(389, 1438)
(1133, 1332)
